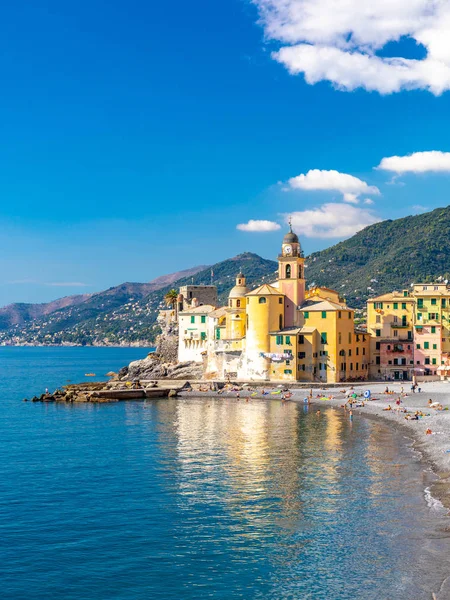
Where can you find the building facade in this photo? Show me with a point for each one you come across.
(280, 332)
(410, 332)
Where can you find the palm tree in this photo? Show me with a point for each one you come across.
(171, 300)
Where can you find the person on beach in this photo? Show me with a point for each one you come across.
(413, 388)
(388, 408)
(318, 413)
(386, 391)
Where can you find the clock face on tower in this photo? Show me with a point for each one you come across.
(288, 250)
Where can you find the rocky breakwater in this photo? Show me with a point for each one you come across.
(79, 392)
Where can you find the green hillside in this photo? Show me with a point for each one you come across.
(394, 253)
(383, 257)
(125, 315)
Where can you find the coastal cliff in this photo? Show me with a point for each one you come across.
(163, 363)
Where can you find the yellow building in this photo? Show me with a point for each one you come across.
(282, 332)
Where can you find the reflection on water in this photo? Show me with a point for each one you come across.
(276, 502)
(195, 498)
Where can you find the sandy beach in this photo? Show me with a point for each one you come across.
(434, 446)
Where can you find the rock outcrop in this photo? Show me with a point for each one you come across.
(163, 363)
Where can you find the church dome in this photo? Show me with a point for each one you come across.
(290, 238)
(238, 291)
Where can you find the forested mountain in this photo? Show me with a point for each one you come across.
(387, 256)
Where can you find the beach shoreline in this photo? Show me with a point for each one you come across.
(434, 447)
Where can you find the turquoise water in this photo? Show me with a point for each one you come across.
(197, 498)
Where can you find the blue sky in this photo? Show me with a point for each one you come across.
(136, 136)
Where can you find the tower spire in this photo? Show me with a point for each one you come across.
(290, 224)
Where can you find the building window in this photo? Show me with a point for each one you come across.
(280, 322)
(339, 314)
(378, 332)
(432, 316)
(395, 305)
(427, 361)
(339, 338)
(404, 322)
(262, 300)
(395, 332)
(217, 334)
(377, 345)
(433, 301)
(349, 315)
(299, 272)
(203, 335)
(377, 360)
(302, 354)
(434, 346)
(378, 319)
(434, 361)
(403, 305)
(323, 338)
(443, 302)
(192, 319)
(378, 305)
(279, 340)
(364, 351)
(280, 300)
(288, 339)
(350, 352)
(426, 345)
(203, 319)
(417, 346)
(395, 319)
(288, 271)
(324, 314)
(357, 366)
(288, 371)
(419, 302)
(238, 304)
(301, 339)
(433, 329)
(351, 366)
(357, 352)
(349, 337)
(306, 315)
(388, 347)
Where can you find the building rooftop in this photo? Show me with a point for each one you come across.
(203, 309)
(265, 290)
(391, 296)
(325, 305)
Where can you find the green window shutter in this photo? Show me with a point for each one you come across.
(395, 305)
(433, 329)
(306, 315)
(279, 340)
(378, 332)
(434, 346)
(417, 346)
(443, 302)
(434, 361)
(404, 323)
(288, 339)
(203, 319)
(324, 314)
(426, 345)
(192, 319)
(419, 303)
(403, 305)
(203, 335)
(217, 334)
(433, 301)
(323, 337)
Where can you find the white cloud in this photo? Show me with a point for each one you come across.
(258, 225)
(368, 201)
(418, 162)
(349, 186)
(350, 198)
(333, 220)
(339, 42)
(418, 208)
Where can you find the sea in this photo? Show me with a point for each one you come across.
(196, 498)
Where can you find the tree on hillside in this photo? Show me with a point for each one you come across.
(170, 299)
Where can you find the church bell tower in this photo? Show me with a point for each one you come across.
(291, 275)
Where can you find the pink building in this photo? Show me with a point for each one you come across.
(427, 349)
